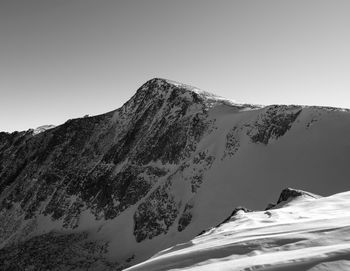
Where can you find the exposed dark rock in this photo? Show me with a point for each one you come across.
(201, 162)
(234, 212)
(270, 206)
(289, 194)
(54, 251)
(161, 122)
(185, 218)
(274, 123)
(154, 216)
(232, 143)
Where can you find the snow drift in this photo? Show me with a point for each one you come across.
(307, 233)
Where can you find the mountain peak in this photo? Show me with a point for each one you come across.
(43, 128)
(291, 193)
(164, 87)
(167, 84)
(288, 194)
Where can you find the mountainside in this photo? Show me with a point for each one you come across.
(109, 191)
(306, 233)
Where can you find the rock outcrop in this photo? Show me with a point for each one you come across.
(289, 194)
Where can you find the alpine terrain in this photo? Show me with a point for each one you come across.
(108, 192)
(303, 233)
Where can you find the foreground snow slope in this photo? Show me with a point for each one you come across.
(307, 233)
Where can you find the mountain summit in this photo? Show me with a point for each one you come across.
(170, 163)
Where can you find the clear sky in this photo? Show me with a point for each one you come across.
(62, 59)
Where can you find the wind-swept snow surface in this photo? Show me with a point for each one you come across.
(307, 233)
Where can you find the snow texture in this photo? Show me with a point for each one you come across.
(307, 233)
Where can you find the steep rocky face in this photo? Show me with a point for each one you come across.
(274, 123)
(54, 251)
(102, 164)
(169, 163)
(289, 194)
(101, 161)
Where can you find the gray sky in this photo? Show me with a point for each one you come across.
(62, 59)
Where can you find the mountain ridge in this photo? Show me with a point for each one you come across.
(162, 168)
(158, 84)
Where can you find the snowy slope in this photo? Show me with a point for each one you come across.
(170, 163)
(307, 233)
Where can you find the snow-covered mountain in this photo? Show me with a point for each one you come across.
(110, 191)
(304, 233)
(42, 128)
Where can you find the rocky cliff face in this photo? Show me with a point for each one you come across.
(169, 163)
